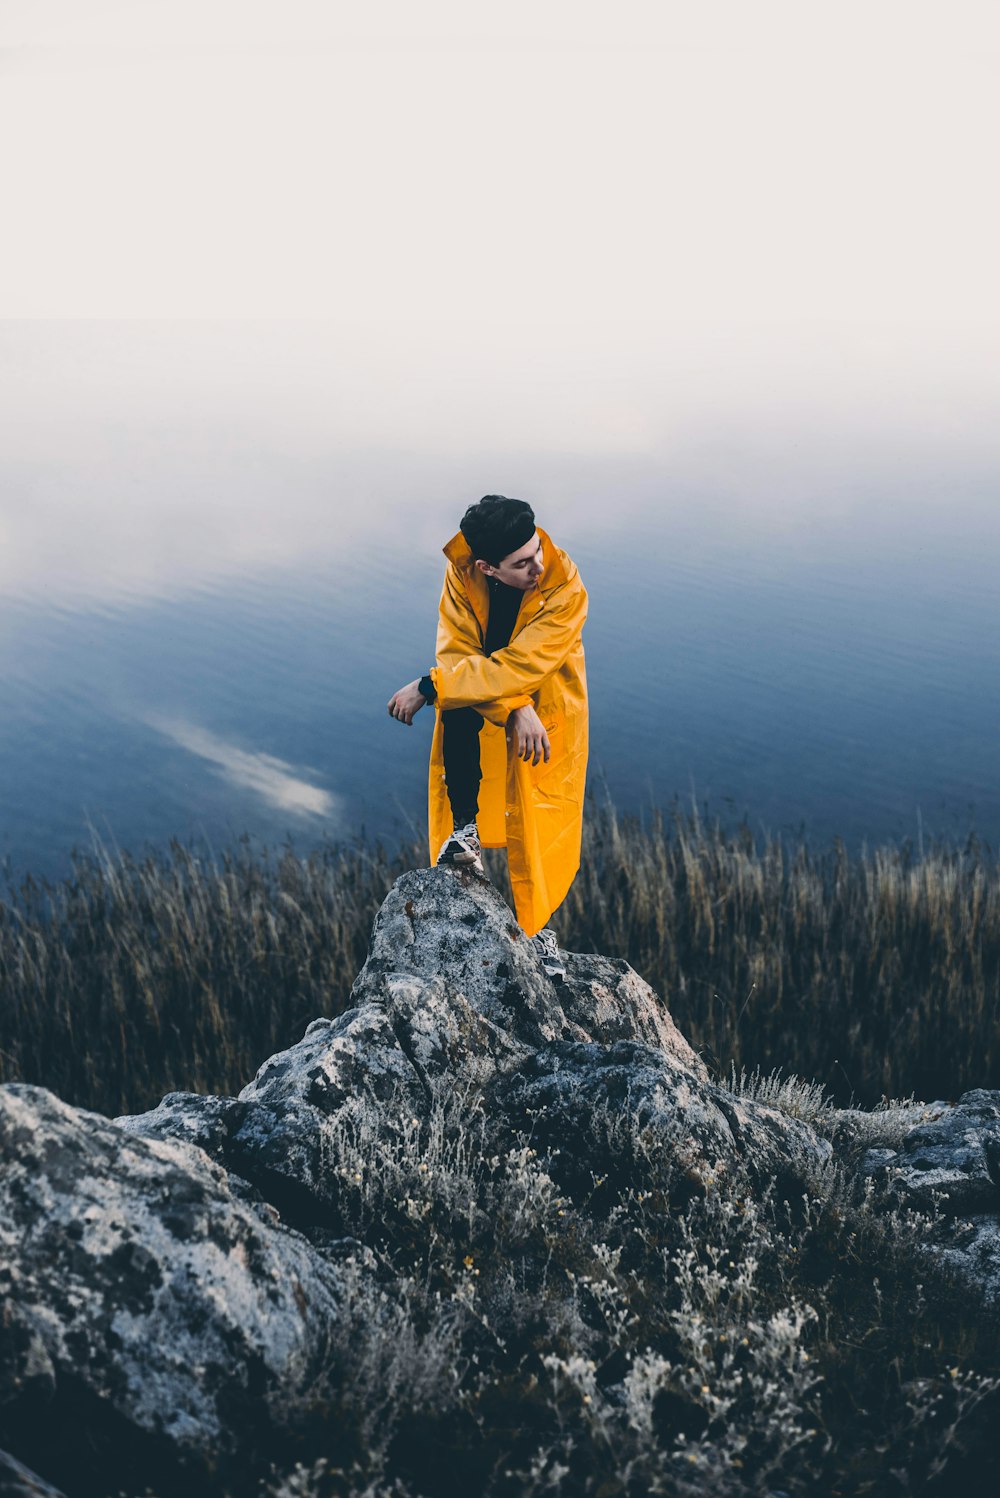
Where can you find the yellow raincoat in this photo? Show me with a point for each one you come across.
(535, 811)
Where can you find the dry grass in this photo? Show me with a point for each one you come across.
(177, 972)
(875, 976)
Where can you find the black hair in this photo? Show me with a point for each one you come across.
(496, 526)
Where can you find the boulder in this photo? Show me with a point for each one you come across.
(454, 925)
(952, 1156)
(566, 1093)
(208, 1122)
(150, 1269)
(132, 1275)
(451, 989)
(383, 1051)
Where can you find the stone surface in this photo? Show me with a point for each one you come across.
(609, 1001)
(971, 1249)
(941, 1158)
(208, 1122)
(455, 926)
(600, 1037)
(127, 1266)
(451, 989)
(566, 1086)
(18, 1481)
(389, 1048)
(952, 1156)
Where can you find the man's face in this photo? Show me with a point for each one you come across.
(521, 569)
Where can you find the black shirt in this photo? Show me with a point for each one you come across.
(504, 604)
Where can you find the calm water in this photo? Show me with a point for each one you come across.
(198, 637)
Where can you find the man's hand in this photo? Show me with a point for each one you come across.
(406, 702)
(524, 728)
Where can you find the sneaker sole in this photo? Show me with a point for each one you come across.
(464, 862)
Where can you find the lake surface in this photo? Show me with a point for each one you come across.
(200, 628)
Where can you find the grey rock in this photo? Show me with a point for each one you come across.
(943, 1159)
(609, 1001)
(971, 1250)
(952, 1156)
(873, 1162)
(569, 1089)
(18, 1481)
(390, 1049)
(208, 1122)
(855, 1131)
(451, 988)
(128, 1267)
(599, 1037)
(145, 1261)
(455, 926)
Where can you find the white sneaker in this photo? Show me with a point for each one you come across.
(546, 945)
(462, 849)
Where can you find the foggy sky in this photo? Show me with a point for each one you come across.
(750, 247)
(546, 164)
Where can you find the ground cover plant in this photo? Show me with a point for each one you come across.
(670, 1330)
(875, 976)
(664, 1328)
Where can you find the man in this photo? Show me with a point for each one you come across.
(508, 758)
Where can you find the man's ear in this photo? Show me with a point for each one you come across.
(483, 566)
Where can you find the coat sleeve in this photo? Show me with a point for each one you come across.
(458, 640)
(515, 672)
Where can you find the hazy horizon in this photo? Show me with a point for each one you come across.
(152, 456)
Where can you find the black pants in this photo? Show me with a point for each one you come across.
(462, 770)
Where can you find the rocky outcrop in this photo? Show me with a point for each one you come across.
(951, 1156)
(132, 1275)
(567, 1088)
(180, 1268)
(452, 990)
(457, 928)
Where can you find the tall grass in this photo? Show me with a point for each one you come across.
(179, 971)
(877, 975)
